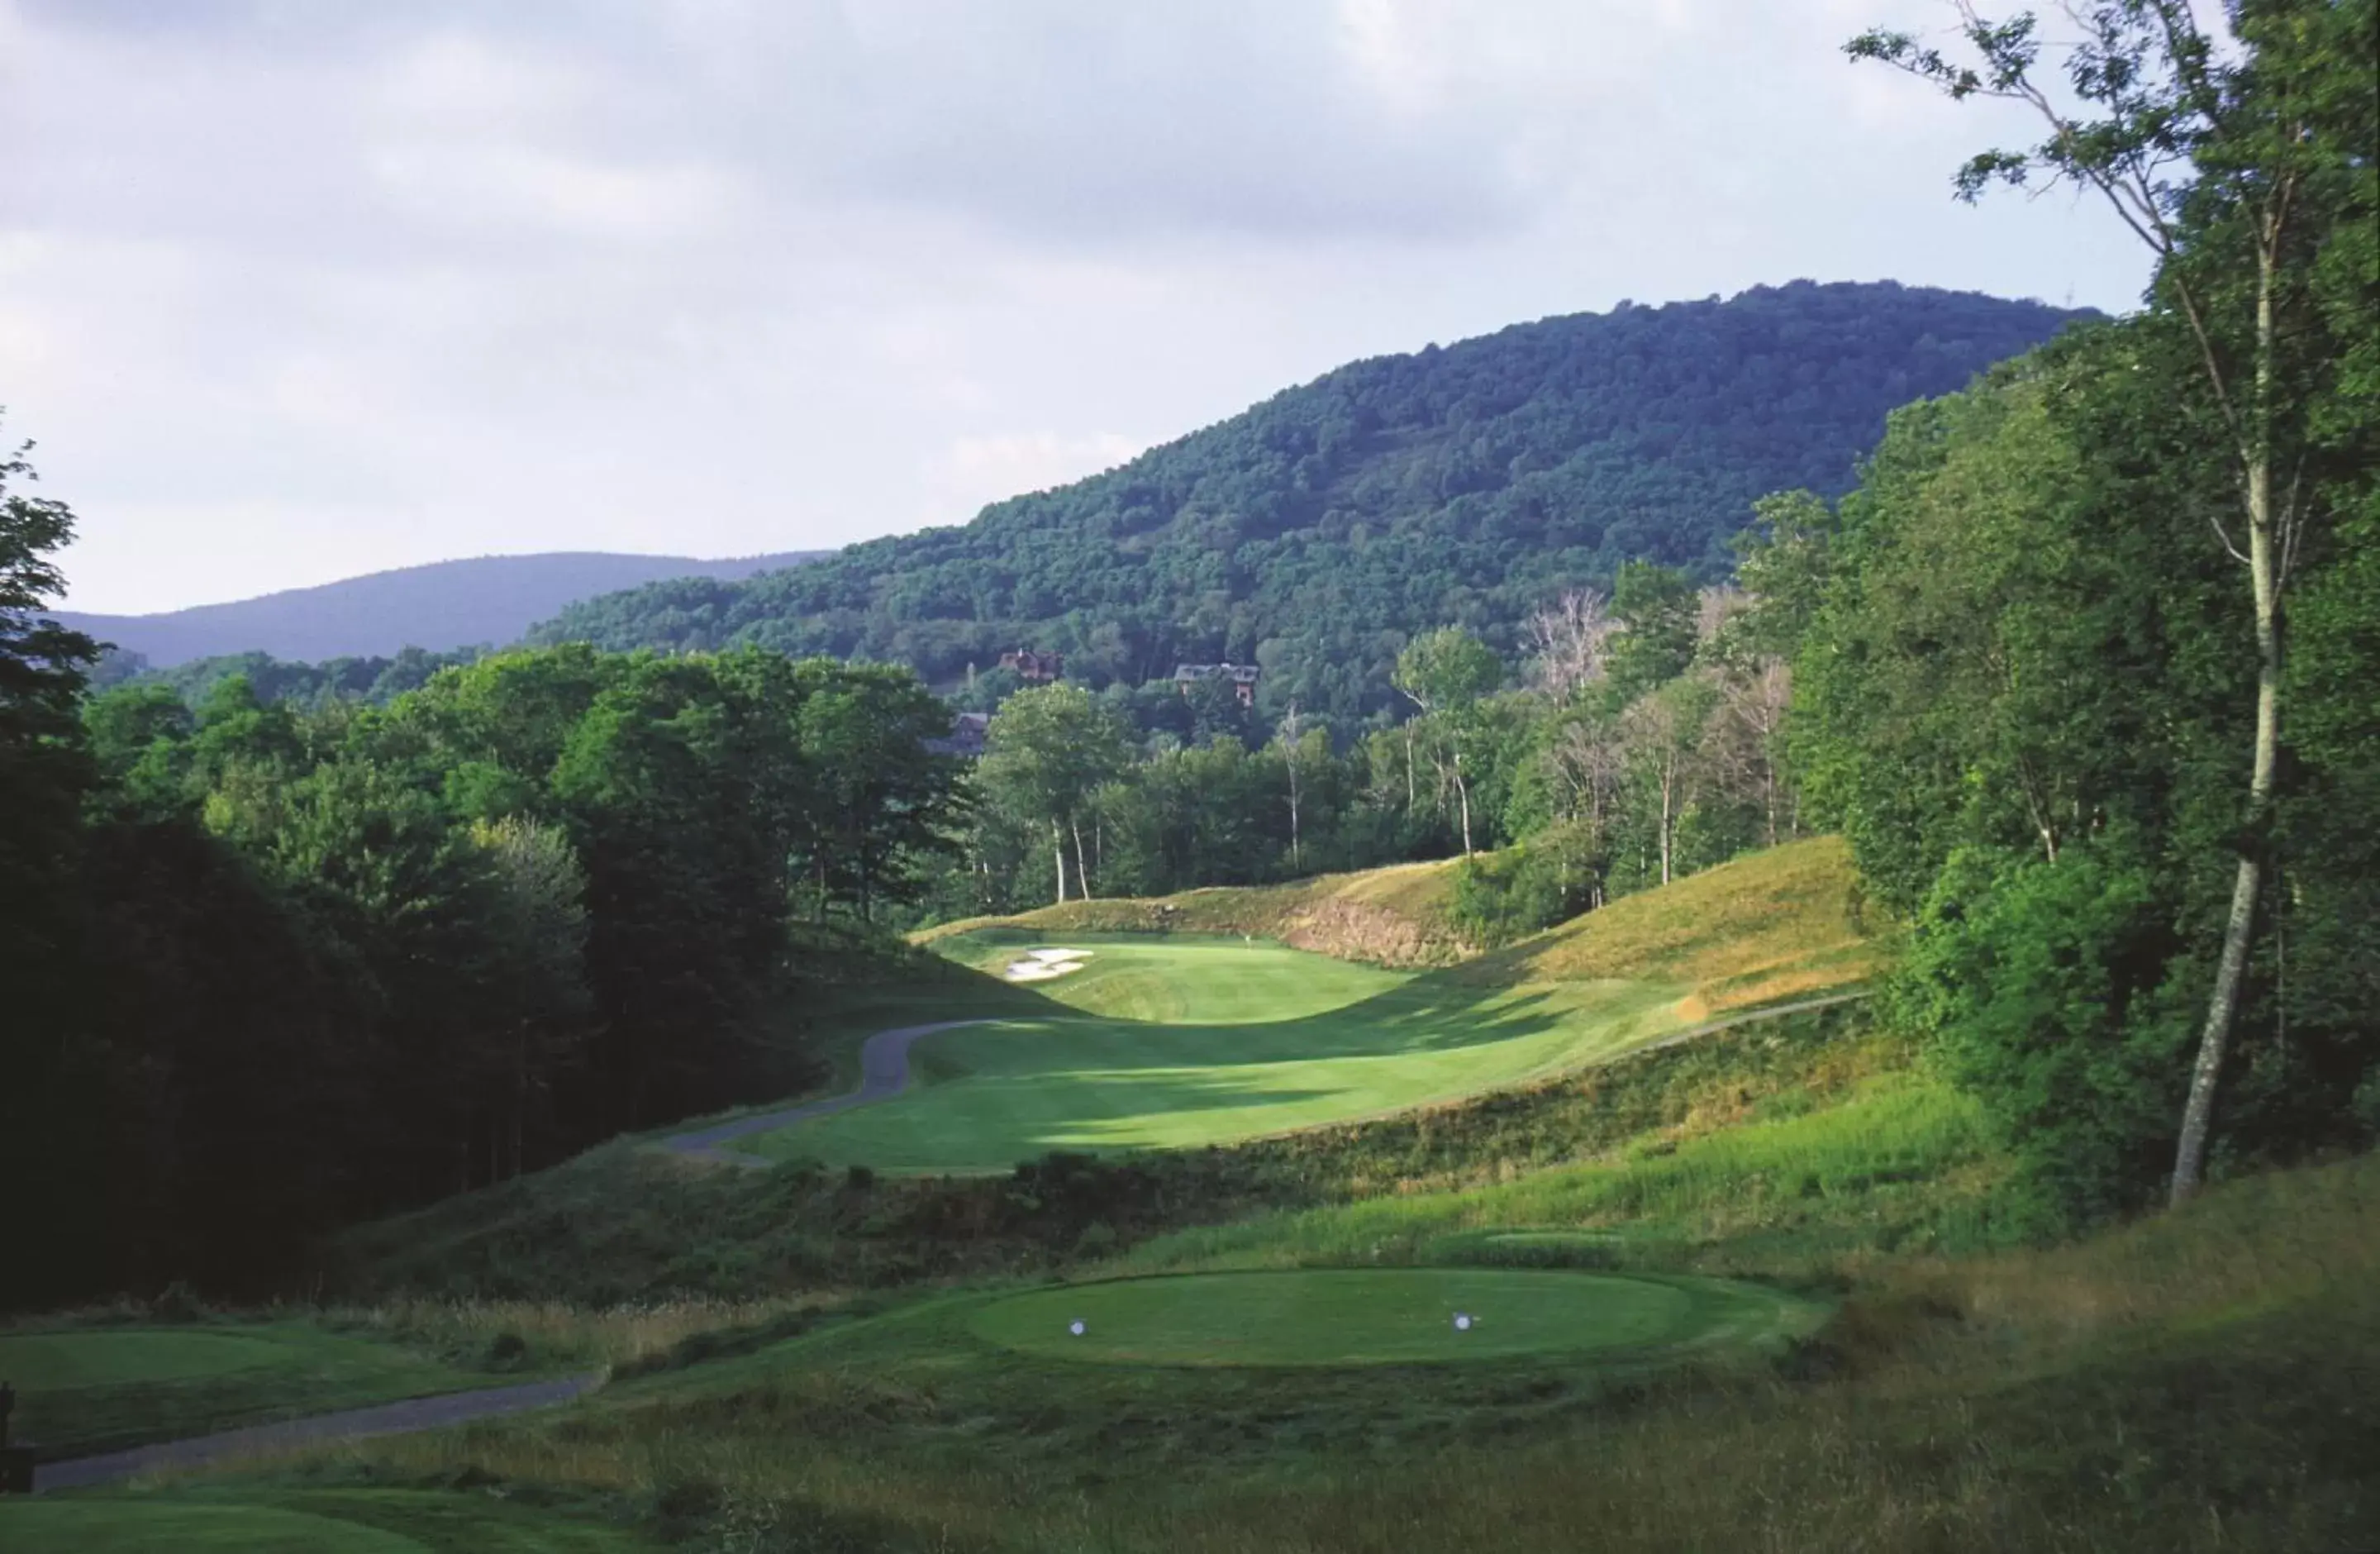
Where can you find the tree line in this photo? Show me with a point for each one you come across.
(1640, 740)
(272, 966)
(2088, 667)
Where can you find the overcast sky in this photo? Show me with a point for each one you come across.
(293, 291)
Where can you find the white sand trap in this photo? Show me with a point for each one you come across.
(1041, 965)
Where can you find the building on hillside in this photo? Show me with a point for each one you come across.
(1035, 667)
(1241, 677)
(967, 736)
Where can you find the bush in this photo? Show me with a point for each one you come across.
(1529, 887)
(2050, 990)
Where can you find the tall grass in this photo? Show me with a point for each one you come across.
(557, 1332)
(1906, 1155)
(2197, 1382)
(1769, 926)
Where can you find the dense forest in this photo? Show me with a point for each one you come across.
(371, 678)
(1318, 531)
(1638, 740)
(272, 967)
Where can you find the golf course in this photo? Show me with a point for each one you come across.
(1181, 1041)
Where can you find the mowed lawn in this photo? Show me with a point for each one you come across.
(1343, 1317)
(1187, 1041)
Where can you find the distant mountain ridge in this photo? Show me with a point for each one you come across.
(1314, 532)
(439, 606)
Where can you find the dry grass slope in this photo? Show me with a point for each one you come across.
(1771, 926)
(1395, 917)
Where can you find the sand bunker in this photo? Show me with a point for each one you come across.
(1041, 965)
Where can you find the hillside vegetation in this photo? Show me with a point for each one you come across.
(1780, 923)
(1396, 916)
(1317, 531)
(1329, 1046)
(2202, 1381)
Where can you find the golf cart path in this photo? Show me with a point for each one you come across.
(320, 1429)
(885, 1073)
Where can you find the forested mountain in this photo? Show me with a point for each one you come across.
(486, 600)
(1316, 532)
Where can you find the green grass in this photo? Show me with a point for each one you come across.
(1200, 1041)
(2205, 1380)
(1902, 1163)
(625, 1225)
(281, 1521)
(1019, 1088)
(1183, 979)
(1367, 1316)
(89, 1390)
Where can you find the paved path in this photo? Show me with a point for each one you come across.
(353, 1424)
(883, 1073)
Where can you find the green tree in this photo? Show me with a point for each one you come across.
(1048, 750)
(2234, 170)
(878, 800)
(44, 768)
(1655, 609)
(1444, 673)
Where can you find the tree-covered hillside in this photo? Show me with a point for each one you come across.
(1317, 531)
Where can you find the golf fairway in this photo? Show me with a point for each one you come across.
(1188, 1042)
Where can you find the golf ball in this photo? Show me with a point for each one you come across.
(1463, 1321)
(1075, 1327)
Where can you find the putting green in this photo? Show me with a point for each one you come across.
(1359, 1316)
(54, 1362)
(1183, 980)
(1188, 1042)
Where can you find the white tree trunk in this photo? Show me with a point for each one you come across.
(2266, 580)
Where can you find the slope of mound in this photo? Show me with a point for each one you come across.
(1392, 916)
(1189, 1038)
(1327, 524)
(1780, 924)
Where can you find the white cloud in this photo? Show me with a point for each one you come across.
(983, 469)
(284, 285)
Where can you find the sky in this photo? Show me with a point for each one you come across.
(293, 291)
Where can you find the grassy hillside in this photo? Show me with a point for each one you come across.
(1774, 924)
(1322, 527)
(1395, 917)
(2203, 1381)
(1493, 1060)
(1197, 1038)
(1749, 1291)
